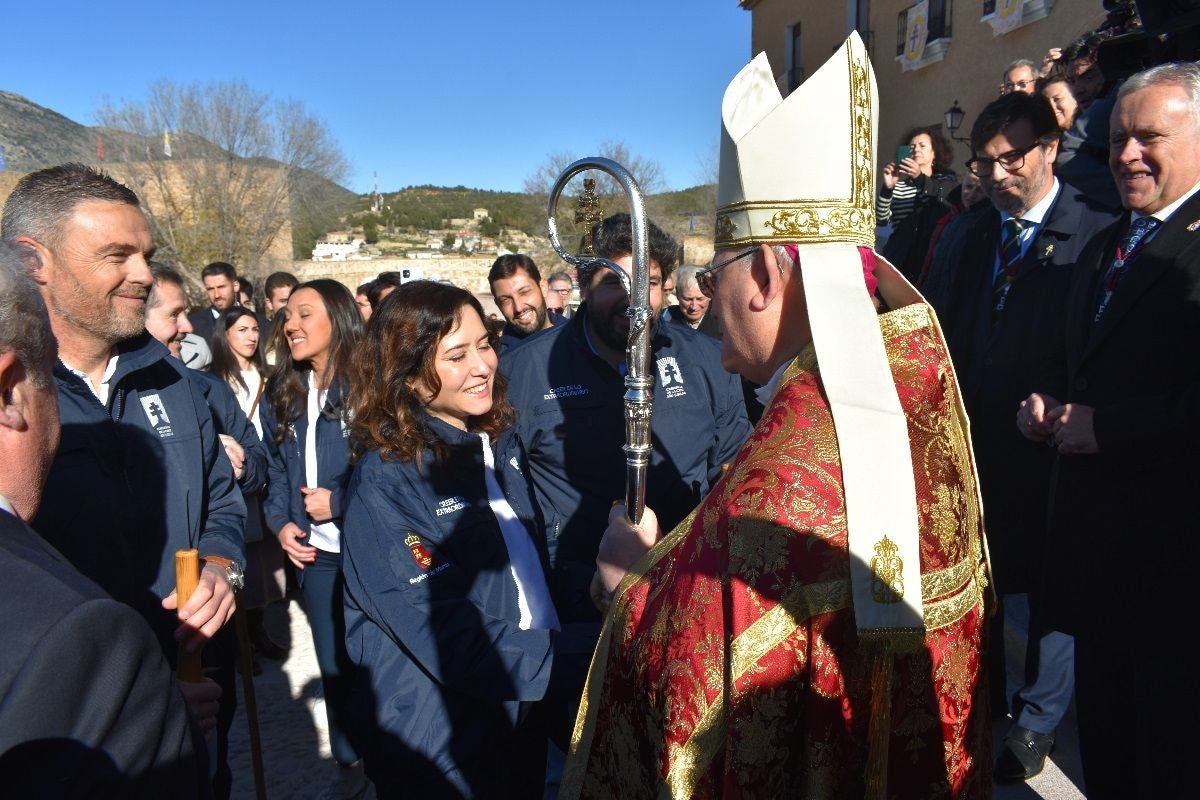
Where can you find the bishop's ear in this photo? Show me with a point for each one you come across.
(12, 378)
(768, 278)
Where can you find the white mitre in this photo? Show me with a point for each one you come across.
(801, 171)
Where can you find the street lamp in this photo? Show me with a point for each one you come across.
(954, 118)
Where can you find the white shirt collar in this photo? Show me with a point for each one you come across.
(1163, 214)
(100, 391)
(6, 506)
(763, 393)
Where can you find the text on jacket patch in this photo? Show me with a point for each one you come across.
(670, 377)
(574, 390)
(450, 505)
(155, 412)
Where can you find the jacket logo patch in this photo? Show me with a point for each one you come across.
(420, 554)
(670, 377)
(574, 390)
(450, 505)
(153, 406)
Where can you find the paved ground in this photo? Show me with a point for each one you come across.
(297, 764)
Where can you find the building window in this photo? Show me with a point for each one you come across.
(795, 61)
(938, 26)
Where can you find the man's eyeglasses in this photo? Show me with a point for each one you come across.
(706, 279)
(1012, 161)
(562, 291)
(1015, 86)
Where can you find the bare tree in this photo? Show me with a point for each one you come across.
(647, 172)
(222, 170)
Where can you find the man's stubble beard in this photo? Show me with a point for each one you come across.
(103, 322)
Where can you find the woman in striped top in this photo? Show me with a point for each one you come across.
(926, 172)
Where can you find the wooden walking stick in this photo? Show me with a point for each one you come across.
(187, 577)
(246, 667)
(189, 669)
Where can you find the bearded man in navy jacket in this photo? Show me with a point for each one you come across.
(567, 384)
(140, 472)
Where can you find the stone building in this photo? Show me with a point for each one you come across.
(966, 49)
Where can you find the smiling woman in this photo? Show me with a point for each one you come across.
(447, 602)
(304, 423)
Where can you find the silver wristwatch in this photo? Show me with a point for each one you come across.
(233, 573)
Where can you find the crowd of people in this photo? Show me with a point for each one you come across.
(1084, 159)
(806, 606)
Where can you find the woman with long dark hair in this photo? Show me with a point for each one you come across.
(305, 424)
(237, 359)
(448, 612)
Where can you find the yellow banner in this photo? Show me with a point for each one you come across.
(916, 31)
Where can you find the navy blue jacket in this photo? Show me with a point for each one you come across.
(571, 417)
(283, 502)
(139, 479)
(232, 421)
(432, 616)
(510, 337)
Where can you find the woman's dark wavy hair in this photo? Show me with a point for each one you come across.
(943, 152)
(224, 361)
(287, 387)
(400, 348)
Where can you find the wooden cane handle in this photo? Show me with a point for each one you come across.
(187, 578)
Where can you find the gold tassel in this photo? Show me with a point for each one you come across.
(880, 730)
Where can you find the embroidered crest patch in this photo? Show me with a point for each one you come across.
(670, 376)
(155, 412)
(420, 554)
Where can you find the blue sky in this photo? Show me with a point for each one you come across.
(446, 93)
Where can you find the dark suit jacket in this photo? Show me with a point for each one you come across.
(203, 322)
(88, 705)
(1124, 520)
(999, 365)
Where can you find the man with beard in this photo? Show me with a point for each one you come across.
(89, 701)
(1008, 278)
(139, 472)
(520, 294)
(568, 388)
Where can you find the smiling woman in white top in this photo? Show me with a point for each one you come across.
(305, 426)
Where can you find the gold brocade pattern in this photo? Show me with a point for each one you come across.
(730, 663)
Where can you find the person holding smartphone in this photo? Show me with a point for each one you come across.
(914, 194)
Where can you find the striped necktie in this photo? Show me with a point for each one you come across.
(1139, 229)
(1010, 257)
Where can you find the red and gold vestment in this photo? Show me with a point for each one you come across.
(730, 664)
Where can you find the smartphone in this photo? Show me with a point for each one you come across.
(902, 152)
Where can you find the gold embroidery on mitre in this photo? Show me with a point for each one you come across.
(888, 584)
(825, 220)
(824, 225)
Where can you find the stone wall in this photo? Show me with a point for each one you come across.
(466, 273)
